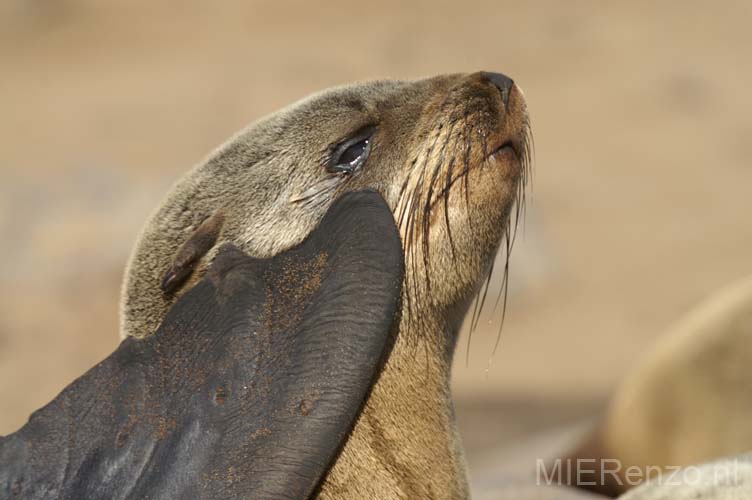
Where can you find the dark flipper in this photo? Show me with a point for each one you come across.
(249, 388)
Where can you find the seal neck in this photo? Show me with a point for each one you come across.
(406, 441)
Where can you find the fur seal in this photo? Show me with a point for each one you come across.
(450, 156)
(688, 400)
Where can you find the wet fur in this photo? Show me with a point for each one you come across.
(453, 204)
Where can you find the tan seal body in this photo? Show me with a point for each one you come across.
(449, 155)
(686, 402)
(690, 400)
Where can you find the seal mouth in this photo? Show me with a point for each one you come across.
(506, 147)
(508, 150)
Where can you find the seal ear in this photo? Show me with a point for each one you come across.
(188, 255)
(249, 388)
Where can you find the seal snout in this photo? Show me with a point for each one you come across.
(508, 124)
(501, 82)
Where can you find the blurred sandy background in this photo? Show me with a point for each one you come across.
(642, 196)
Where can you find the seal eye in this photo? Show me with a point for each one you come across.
(351, 154)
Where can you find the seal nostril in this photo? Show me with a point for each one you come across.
(501, 82)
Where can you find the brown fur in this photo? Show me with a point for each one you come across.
(430, 160)
(688, 400)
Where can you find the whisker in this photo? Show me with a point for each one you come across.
(427, 209)
(470, 333)
(447, 156)
(480, 298)
(447, 185)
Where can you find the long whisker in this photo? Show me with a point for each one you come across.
(519, 212)
(505, 293)
(447, 158)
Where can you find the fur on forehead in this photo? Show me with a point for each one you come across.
(318, 120)
(315, 115)
(279, 153)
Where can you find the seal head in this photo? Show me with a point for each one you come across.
(448, 154)
(450, 157)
